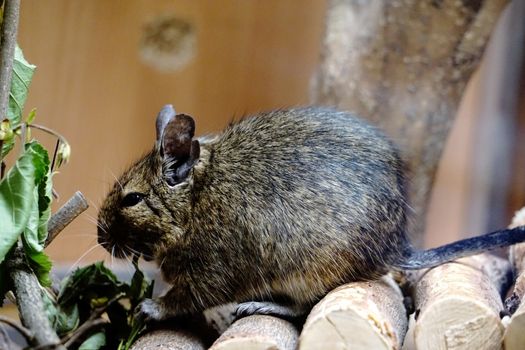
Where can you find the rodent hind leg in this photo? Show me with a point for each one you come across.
(289, 312)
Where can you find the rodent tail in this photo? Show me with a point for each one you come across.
(419, 259)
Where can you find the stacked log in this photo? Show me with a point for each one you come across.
(360, 315)
(515, 332)
(458, 304)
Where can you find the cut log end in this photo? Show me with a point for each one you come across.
(258, 332)
(458, 305)
(361, 315)
(163, 339)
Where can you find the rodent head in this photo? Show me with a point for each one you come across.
(147, 208)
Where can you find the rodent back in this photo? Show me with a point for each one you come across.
(305, 186)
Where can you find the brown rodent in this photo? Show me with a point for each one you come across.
(274, 212)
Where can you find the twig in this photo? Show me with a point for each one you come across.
(55, 154)
(7, 51)
(26, 287)
(67, 213)
(26, 333)
(93, 321)
(83, 329)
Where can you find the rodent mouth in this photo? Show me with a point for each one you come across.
(124, 251)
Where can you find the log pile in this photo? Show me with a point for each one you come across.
(403, 65)
(458, 305)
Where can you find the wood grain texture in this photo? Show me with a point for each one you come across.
(91, 85)
(361, 315)
(458, 304)
(258, 332)
(164, 339)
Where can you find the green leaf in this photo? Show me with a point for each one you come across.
(63, 319)
(20, 81)
(90, 282)
(17, 195)
(35, 233)
(31, 116)
(45, 197)
(41, 266)
(94, 342)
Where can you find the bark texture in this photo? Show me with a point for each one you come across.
(29, 301)
(7, 51)
(404, 64)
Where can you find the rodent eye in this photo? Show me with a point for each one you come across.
(131, 199)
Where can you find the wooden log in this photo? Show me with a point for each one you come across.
(458, 304)
(258, 332)
(164, 339)
(514, 337)
(360, 315)
(404, 64)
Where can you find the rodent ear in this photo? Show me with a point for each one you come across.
(178, 147)
(176, 137)
(166, 114)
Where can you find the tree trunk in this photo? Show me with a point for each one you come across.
(403, 65)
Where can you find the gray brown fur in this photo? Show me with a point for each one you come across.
(284, 206)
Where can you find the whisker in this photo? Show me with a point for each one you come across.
(82, 257)
(112, 256)
(116, 180)
(162, 262)
(80, 234)
(137, 253)
(128, 268)
(92, 203)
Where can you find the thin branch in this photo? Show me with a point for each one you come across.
(26, 333)
(26, 287)
(83, 329)
(50, 131)
(67, 213)
(7, 51)
(93, 321)
(29, 299)
(55, 155)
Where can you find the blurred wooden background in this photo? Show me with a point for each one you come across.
(251, 55)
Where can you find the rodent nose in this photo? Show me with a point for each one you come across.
(102, 234)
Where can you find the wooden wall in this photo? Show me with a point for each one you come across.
(92, 87)
(251, 55)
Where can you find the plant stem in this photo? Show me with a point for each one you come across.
(26, 333)
(50, 131)
(94, 320)
(67, 213)
(55, 155)
(7, 51)
(26, 287)
(29, 299)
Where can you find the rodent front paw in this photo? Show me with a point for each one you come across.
(149, 310)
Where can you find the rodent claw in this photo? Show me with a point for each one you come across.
(149, 310)
(263, 308)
